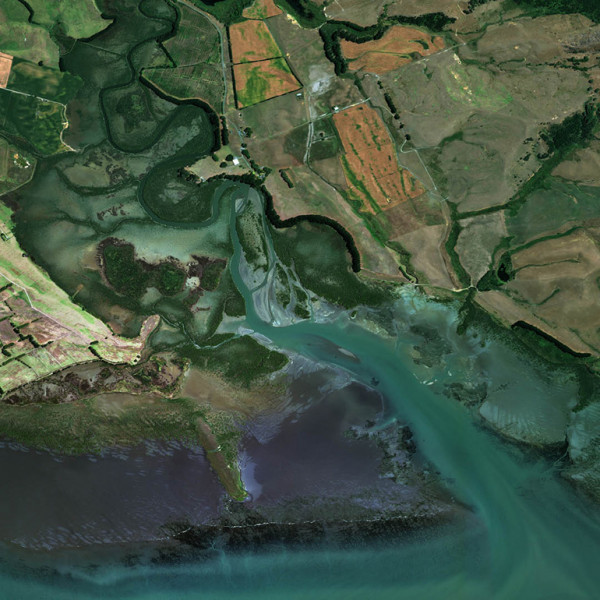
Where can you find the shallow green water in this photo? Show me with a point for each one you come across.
(530, 536)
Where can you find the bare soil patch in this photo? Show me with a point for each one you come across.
(426, 248)
(416, 213)
(5, 67)
(397, 47)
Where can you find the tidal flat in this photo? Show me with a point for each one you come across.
(364, 440)
(509, 523)
(322, 454)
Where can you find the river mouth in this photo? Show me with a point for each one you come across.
(375, 478)
(522, 519)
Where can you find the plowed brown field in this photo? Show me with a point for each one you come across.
(5, 67)
(370, 164)
(251, 41)
(262, 9)
(392, 51)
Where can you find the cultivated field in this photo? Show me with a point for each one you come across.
(370, 163)
(303, 48)
(397, 47)
(262, 9)
(5, 67)
(262, 80)
(252, 41)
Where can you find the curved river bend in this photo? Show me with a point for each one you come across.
(532, 537)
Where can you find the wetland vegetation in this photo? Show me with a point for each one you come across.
(128, 232)
(255, 273)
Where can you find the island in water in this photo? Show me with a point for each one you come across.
(300, 298)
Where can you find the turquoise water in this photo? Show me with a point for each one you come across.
(531, 537)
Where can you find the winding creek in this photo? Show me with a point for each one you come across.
(531, 535)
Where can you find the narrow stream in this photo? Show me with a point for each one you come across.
(531, 536)
(539, 539)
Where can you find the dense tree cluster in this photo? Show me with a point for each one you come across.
(332, 31)
(283, 174)
(588, 8)
(494, 279)
(227, 11)
(390, 103)
(575, 129)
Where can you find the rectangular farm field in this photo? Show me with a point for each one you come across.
(5, 67)
(370, 163)
(259, 81)
(251, 41)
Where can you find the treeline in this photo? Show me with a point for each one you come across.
(495, 279)
(333, 31)
(226, 11)
(279, 223)
(473, 4)
(561, 139)
(224, 132)
(522, 325)
(576, 129)
(283, 174)
(588, 8)
(306, 12)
